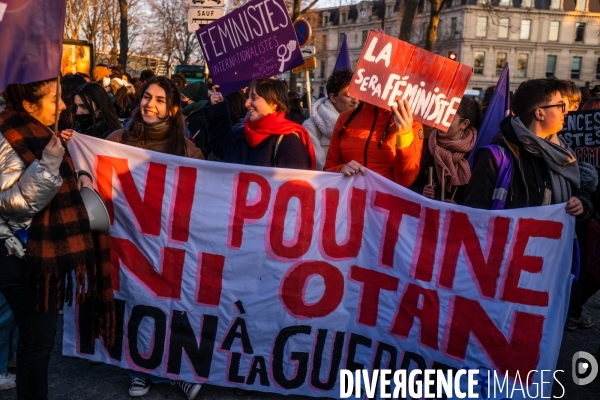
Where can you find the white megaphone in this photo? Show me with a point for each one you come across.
(97, 212)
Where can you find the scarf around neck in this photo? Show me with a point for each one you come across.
(450, 155)
(560, 160)
(258, 131)
(325, 116)
(60, 242)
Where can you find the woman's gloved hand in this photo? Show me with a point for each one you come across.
(589, 176)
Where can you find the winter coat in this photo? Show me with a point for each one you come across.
(360, 144)
(100, 130)
(24, 191)
(530, 177)
(320, 126)
(230, 144)
(196, 123)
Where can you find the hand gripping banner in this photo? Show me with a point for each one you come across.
(275, 280)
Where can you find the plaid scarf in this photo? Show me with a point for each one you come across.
(60, 240)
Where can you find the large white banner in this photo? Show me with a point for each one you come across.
(275, 279)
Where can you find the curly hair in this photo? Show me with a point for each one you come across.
(338, 80)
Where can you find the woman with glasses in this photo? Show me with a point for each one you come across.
(540, 169)
(445, 155)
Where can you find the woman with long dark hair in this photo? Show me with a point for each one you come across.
(157, 124)
(41, 210)
(94, 114)
(69, 85)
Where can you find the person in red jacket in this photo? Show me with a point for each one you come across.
(386, 142)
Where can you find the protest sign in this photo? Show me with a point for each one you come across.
(390, 69)
(254, 41)
(274, 280)
(582, 133)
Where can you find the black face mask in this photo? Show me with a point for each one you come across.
(84, 121)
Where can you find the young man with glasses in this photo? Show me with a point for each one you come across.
(544, 169)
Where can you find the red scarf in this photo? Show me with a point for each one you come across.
(276, 124)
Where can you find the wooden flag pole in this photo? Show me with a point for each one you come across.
(57, 113)
(443, 183)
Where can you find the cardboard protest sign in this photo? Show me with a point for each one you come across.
(582, 133)
(274, 279)
(254, 41)
(390, 69)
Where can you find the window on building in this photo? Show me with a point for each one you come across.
(580, 5)
(325, 19)
(579, 31)
(453, 27)
(598, 69)
(554, 4)
(344, 18)
(575, 67)
(504, 3)
(356, 38)
(427, 7)
(481, 27)
(500, 62)
(525, 29)
(553, 32)
(550, 66)
(503, 28)
(479, 63)
(322, 69)
(324, 43)
(522, 61)
(424, 31)
(364, 37)
(390, 10)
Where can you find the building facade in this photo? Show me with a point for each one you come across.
(538, 38)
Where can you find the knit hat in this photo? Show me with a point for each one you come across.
(195, 91)
(100, 72)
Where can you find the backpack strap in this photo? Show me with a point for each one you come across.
(504, 162)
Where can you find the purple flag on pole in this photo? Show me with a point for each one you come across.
(31, 33)
(498, 108)
(343, 60)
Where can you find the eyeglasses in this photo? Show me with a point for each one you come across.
(563, 106)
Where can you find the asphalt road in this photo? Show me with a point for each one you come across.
(77, 379)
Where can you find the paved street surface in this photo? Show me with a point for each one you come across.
(77, 379)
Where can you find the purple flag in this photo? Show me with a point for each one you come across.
(343, 60)
(498, 108)
(256, 40)
(32, 35)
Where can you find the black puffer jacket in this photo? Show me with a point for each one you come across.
(529, 180)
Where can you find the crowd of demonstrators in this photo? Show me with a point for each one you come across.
(326, 110)
(526, 165)
(43, 212)
(445, 156)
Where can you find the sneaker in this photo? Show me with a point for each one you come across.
(7, 381)
(189, 389)
(578, 323)
(139, 386)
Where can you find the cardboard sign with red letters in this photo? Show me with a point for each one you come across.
(390, 70)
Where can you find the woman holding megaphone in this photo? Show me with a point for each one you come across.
(45, 236)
